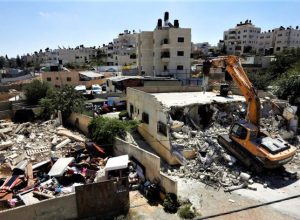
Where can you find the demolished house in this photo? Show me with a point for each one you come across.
(182, 126)
(43, 160)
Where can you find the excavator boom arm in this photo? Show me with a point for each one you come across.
(236, 71)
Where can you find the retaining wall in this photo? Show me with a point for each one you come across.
(80, 121)
(150, 161)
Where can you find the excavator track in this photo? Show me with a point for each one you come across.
(246, 158)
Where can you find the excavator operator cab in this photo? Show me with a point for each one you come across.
(242, 128)
(238, 131)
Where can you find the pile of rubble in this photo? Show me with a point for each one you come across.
(41, 161)
(211, 164)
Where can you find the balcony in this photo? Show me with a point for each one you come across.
(165, 56)
(165, 43)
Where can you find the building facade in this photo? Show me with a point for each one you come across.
(165, 51)
(246, 38)
(242, 38)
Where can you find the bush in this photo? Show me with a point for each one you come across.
(104, 130)
(260, 80)
(170, 203)
(186, 212)
(123, 114)
(288, 85)
(35, 91)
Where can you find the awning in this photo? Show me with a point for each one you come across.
(96, 100)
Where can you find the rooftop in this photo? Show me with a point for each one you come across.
(190, 98)
(91, 74)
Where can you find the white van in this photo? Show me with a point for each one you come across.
(81, 89)
(96, 89)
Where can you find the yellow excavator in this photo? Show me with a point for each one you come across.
(245, 140)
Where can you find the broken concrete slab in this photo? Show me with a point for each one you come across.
(69, 134)
(62, 144)
(6, 144)
(6, 130)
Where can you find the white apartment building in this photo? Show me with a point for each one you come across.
(122, 51)
(286, 38)
(78, 55)
(165, 51)
(245, 38)
(241, 39)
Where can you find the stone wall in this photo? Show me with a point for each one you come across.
(59, 208)
(150, 161)
(104, 199)
(80, 121)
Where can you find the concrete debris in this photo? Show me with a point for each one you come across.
(25, 160)
(6, 144)
(62, 144)
(244, 176)
(69, 134)
(197, 128)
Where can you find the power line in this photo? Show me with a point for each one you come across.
(249, 207)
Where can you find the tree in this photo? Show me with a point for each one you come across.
(19, 62)
(104, 130)
(260, 80)
(35, 91)
(287, 86)
(2, 62)
(66, 99)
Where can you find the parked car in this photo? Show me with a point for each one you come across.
(96, 89)
(81, 89)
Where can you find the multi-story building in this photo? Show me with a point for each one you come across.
(241, 39)
(265, 42)
(122, 51)
(286, 38)
(245, 38)
(165, 51)
(78, 55)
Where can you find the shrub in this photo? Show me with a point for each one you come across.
(35, 91)
(123, 114)
(186, 212)
(170, 203)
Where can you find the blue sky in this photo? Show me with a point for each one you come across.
(27, 26)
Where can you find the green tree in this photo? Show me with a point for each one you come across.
(104, 130)
(2, 62)
(287, 86)
(66, 99)
(19, 62)
(35, 91)
(260, 80)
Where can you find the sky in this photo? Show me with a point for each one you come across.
(28, 26)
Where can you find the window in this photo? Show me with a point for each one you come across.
(180, 53)
(131, 108)
(162, 128)
(145, 118)
(69, 79)
(56, 78)
(239, 131)
(49, 79)
(179, 67)
(180, 39)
